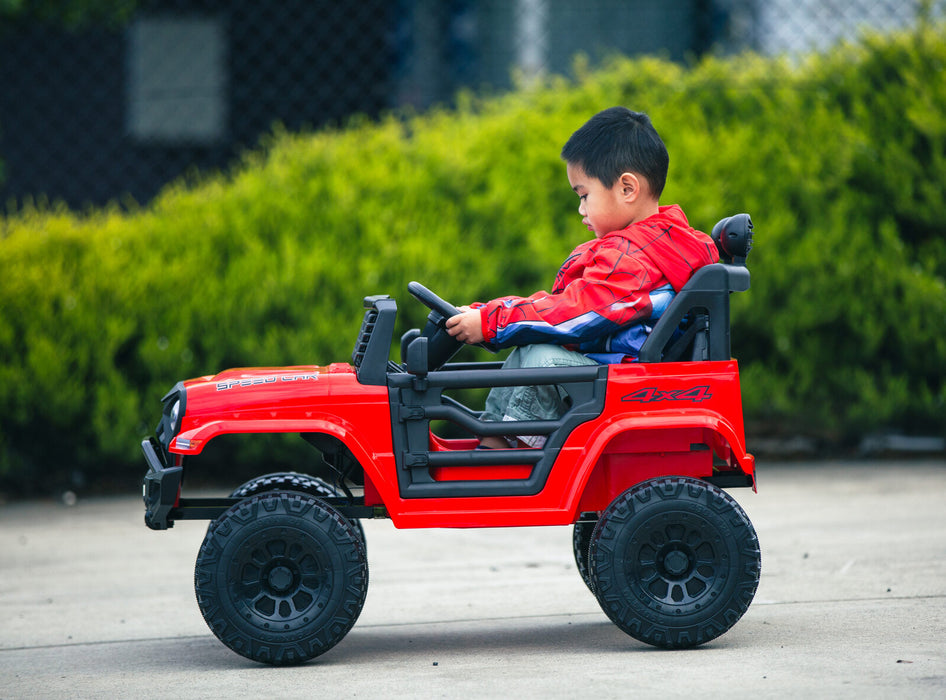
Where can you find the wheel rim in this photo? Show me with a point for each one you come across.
(280, 579)
(678, 563)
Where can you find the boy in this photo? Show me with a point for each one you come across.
(610, 289)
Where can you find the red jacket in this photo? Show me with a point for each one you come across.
(605, 285)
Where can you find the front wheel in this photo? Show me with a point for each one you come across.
(675, 562)
(294, 481)
(281, 577)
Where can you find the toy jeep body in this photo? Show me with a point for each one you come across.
(637, 465)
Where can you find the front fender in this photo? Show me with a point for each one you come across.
(193, 441)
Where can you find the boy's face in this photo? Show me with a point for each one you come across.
(604, 209)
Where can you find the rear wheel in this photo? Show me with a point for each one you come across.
(581, 543)
(281, 577)
(675, 562)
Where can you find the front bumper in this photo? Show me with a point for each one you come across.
(161, 488)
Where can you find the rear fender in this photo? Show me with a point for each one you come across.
(627, 452)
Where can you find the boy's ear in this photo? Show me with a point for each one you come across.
(630, 185)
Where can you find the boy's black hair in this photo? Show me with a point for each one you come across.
(617, 141)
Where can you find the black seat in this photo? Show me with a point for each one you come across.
(695, 326)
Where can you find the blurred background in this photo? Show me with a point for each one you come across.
(187, 186)
(105, 99)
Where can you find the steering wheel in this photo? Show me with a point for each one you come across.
(441, 346)
(432, 301)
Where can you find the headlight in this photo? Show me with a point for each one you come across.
(175, 417)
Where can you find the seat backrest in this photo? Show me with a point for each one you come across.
(700, 311)
(696, 324)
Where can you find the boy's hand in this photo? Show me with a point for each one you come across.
(466, 326)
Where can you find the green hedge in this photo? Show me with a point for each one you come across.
(839, 159)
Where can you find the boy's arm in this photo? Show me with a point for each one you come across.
(612, 291)
(470, 325)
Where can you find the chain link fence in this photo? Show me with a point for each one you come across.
(112, 110)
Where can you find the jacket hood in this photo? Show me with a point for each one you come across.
(671, 244)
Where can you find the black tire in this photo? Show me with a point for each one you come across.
(675, 562)
(294, 481)
(285, 481)
(581, 545)
(281, 577)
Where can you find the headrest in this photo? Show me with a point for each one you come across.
(733, 238)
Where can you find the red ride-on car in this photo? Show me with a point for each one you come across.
(637, 465)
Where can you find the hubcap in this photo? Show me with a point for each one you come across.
(677, 563)
(281, 580)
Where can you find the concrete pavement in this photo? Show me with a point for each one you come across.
(852, 603)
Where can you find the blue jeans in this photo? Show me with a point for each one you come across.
(543, 402)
